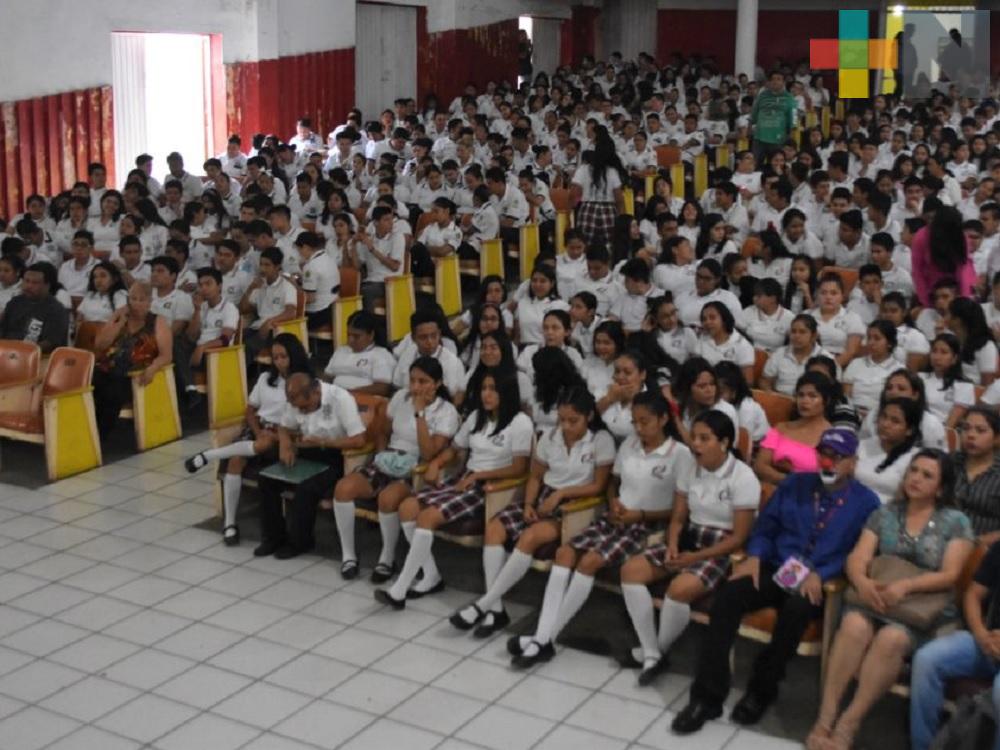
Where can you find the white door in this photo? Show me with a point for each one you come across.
(385, 56)
(545, 39)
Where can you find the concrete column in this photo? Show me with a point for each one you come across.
(746, 37)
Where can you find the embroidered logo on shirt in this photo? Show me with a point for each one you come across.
(327, 411)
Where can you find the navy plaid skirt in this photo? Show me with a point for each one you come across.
(710, 572)
(451, 502)
(613, 542)
(594, 219)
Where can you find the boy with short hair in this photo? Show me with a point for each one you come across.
(235, 281)
(852, 249)
(866, 297)
(438, 239)
(214, 324)
(320, 279)
(894, 278)
(599, 279)
(630, 309)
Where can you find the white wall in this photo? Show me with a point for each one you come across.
(315, 25)
(629, 27)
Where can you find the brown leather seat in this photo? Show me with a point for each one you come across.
(69, 370)
(19, 361)
(30, 422)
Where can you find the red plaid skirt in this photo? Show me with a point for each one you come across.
(613, 542)
(710, 572)
(594, 219)
(453, 503)
(512, 517)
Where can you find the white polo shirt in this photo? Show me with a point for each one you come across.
(215, 319)
(337, 416)
(786, 370)
(850, 257)
(320, 276)
(235, 284)
(575, 466)
(350, 369)
(437, 236)
(678, 280)
(598, 375)
(883, 483)
(269, 400)
(441, 417)
(689, 307)
(734, 349)
(909, 341)
(529, 314)
(99, 307)
(681, 343)
(606, 290)
(631, 309)
(75, 280)
(767, 332)
(451, 367)
(174, 306)
(392, 245)
(867, 377)
(713, 496)
(833, 333)
(940, 400)
(618, 419)
(985, 362)
(272, 299)
(488, 451)
(649, 479)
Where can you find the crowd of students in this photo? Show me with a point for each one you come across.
(622, 367)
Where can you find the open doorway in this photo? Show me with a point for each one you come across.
(165, 86)
(544, 34)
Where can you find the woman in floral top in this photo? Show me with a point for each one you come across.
(134, 339)
(920, 528)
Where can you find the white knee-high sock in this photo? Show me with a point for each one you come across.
(674, 618)
(420, 551)
(494, 557)
(431, 576)
(231, 486)
(555, 590)
(388, 524)
(242, 448)
(639, 604)
(579, 589)
(512, 571)
(408, 528)
(343, 514)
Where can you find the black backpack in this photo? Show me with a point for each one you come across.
(972, 726)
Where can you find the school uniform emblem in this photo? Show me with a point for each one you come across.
(327, 411)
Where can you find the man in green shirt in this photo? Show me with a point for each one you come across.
(772, 117)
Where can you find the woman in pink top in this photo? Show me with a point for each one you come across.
(791, 446)
(939, 251)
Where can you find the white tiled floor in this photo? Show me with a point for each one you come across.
(123, 627)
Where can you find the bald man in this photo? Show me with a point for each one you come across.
(323, 421)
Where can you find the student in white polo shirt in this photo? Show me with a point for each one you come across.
(721, 341)
(912, 347)
(646, 471)
(707, 288)
(840, 330)
(423, 423)
(214, 323)
(235, 281)
(427, 334)
(496, 438)
(864, 377)
(360, 365)
(438, 239)
(572, 460)
(787, 363)
(631, 308)
(713, 511)
(168, 301)
(270, 298)
(74, 274)
(766, 322)
(320, 279)
(381, 252)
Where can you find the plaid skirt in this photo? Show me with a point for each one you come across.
(613, 542)
(377, 479)
(512, 517)
(710, 572)
(594, 219)
(451, 502)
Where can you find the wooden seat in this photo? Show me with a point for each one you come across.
(372, 410)
(745, 444)
(667, 156)
(777, 406)
(751, 246)
(350, 281)
(760, 358)
(20, 367)
(86, 335)
(60, 415)
(847, 275)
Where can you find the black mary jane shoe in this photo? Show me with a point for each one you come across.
(231, 539)
(189, 463)
(749, 709)
(382, 573)
(384, 597)
(437, 588)
(349, 570)
(649, 674)
(514, 645)
(492, 623)
(542, 654)
(693, 717)
(459, 622)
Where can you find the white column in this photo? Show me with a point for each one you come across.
(746, 37)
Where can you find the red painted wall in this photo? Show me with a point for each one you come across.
(270, 95)
(47, 143)
(448, 60)
(584, 22)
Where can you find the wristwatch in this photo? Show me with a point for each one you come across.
(419, 414)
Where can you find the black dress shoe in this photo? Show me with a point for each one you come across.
(541, 653)
(649, 674)
(382, 573)
(231, 535)
(693, 717)
(492, 622)
(749, 709)
(195, 462)
(287, 552)
(514, 645)
(459, 622)
(435, 589)
(384, 597)
(267, 547)
(349, 570)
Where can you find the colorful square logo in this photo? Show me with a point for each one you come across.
(852, 54)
